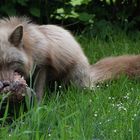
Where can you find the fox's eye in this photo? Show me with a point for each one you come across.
(17, 62)
(15, 65)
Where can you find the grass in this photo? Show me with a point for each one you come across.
(111, 112)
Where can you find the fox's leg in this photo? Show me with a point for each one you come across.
(40, 83)
(79, 75)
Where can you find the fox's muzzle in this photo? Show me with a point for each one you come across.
(6, 76)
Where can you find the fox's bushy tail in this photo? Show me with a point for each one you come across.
(112, 67)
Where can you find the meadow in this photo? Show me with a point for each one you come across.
(110, 112)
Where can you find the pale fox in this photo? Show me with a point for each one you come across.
(56, 55)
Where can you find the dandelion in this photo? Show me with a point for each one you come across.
(108, 120)
(84, 88)
(132, 119)
(113, 98)
(118, 105)
(97, 86)
(135, 115)
(122, 108)
(95, 115)
(90, 100)
(126, 97)
(113, 105)
(49, 134)
(114, 130)
(128, 94)
(107, 85)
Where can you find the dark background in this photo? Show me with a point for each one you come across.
(96, 16)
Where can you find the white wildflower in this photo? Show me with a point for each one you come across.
(95, 115)
(114, 130)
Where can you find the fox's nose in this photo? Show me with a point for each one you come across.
(6, 83)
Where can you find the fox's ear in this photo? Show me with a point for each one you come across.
(16, 36)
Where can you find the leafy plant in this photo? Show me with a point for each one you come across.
(77, 14)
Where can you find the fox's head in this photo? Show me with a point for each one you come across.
(14, 56)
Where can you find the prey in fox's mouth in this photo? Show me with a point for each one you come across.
(17, 88)
(17, 83)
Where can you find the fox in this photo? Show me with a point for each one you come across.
(56, 55)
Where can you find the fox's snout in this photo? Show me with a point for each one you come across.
(6, 76)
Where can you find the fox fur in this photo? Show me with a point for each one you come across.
(56, 54)
(112, 67)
